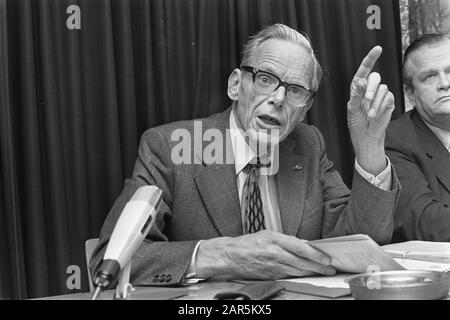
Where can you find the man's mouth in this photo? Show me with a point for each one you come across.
(443, 98)
(269, 120)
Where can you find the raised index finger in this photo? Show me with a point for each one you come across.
(368, 62)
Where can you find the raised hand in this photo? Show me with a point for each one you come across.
(368, 113)
(262, 255)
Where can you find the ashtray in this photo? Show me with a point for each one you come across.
(400, 285)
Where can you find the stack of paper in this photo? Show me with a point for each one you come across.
(336, 281)
(356, 254)
(349, 254)
(323, 286)
(360, 254)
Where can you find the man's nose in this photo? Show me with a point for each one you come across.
(277, 97)
(444, 81)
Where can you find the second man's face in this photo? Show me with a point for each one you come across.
(429, 68)
(259, 113)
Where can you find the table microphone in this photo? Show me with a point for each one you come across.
(134, 223)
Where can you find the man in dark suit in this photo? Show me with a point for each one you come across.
(250, 217)
(418, 143)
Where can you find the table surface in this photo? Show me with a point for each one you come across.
(200, 291)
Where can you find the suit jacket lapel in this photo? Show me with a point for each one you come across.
(442, 165)
(436, 150)
(291, 186)
(217, 186)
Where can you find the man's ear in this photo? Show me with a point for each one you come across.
(409, 94)
(305, 110)
(234, 81)
(309, 105)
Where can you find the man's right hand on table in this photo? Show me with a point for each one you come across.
(261, 255)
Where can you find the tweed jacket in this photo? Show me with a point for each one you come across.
(201, 201)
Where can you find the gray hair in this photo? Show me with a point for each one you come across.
(425, 40)
(282, 32)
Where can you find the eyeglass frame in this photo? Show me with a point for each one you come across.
(254, 71)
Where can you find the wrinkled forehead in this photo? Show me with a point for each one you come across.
(430, 57)
(287, 59)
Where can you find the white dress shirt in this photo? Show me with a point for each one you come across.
(267, 185)
(266, 182)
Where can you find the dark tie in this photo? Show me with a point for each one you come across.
(251, 200)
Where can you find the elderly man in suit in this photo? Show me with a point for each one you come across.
(251, 217)
(418, 143)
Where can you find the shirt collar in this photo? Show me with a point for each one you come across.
(443, 135)
(243, 154)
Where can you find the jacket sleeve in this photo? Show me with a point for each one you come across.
(364, 209)
(420, 215)
(158, 261)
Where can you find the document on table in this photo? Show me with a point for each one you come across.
(356, 254)
(420, 250)
(336, 281)
(411, 264)
(421, 255)
(322, 286)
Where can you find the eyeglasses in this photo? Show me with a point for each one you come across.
(266, 83)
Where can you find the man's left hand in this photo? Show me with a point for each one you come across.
(368, 114)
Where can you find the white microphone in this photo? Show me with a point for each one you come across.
(134, 223)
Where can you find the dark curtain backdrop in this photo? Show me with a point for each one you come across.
(73, 104)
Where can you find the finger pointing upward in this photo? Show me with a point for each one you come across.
(368, 62)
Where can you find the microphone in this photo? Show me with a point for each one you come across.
(134, 223)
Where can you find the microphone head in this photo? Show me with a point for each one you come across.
(149, 194)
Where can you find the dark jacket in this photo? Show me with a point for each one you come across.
(422, 164)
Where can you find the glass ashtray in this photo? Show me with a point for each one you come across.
(400, 285)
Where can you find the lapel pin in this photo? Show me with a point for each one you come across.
(297, 168)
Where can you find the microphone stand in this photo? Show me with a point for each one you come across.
(124, 288)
